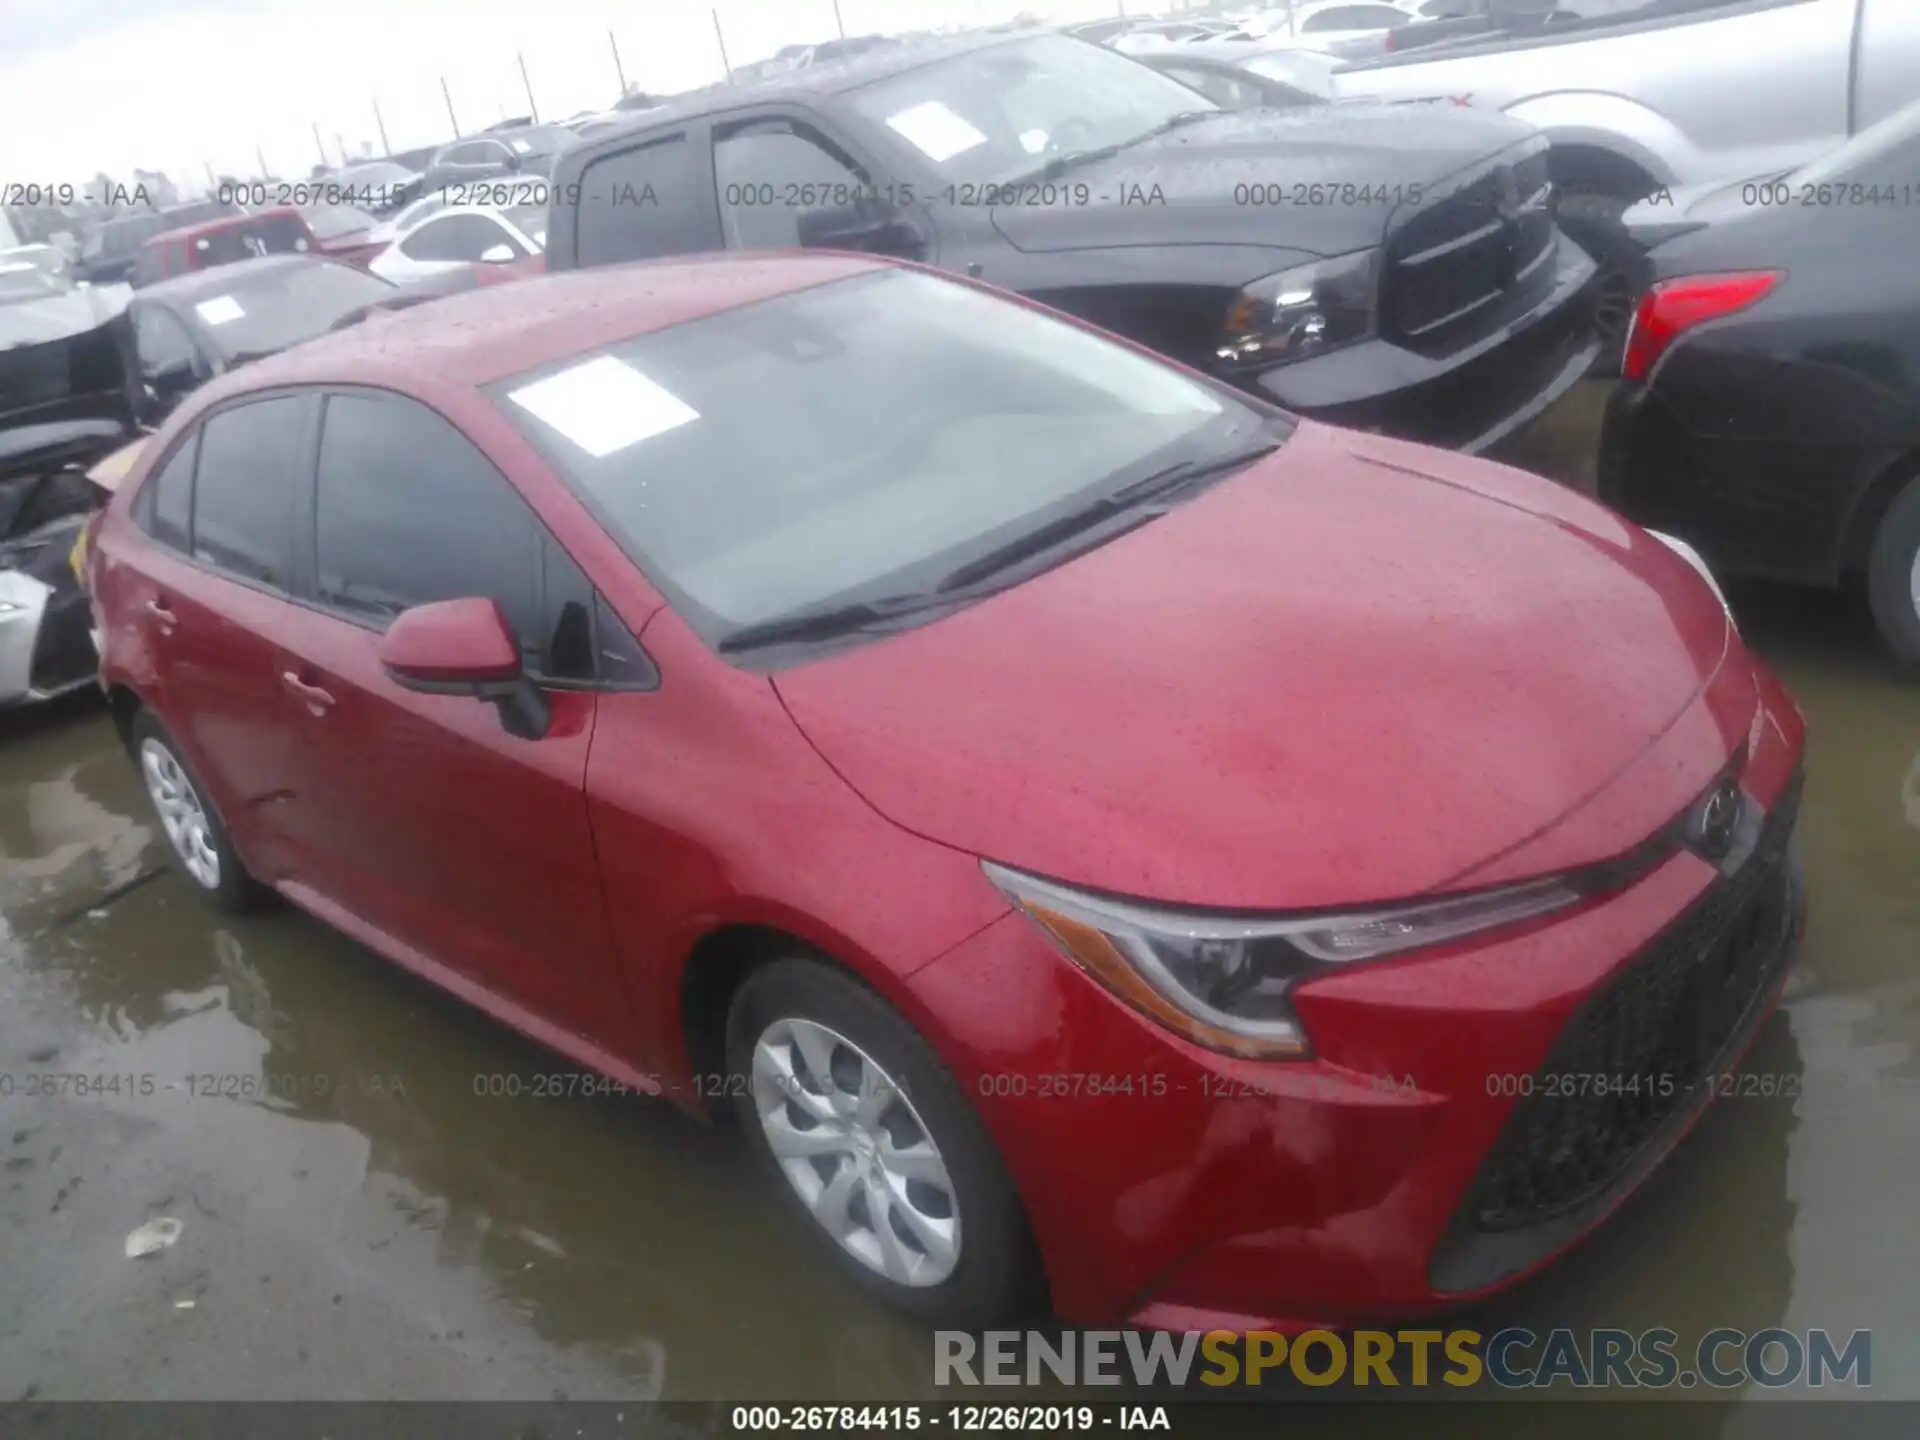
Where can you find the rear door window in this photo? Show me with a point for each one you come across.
(250, 462)
(164, 506)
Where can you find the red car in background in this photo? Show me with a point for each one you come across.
(1107, 838)
(278, 230)
(345, 233)
(338, 232)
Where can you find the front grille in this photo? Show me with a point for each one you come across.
(1636, 1059)
(1473, 260)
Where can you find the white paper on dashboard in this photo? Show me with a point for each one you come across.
(221, 310)
(604, 405)
(934, 130)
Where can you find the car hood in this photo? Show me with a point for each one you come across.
(69, 361)
(32, 322)
(1186, 186)
(1354, 672)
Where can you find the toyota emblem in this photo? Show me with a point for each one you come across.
(1719, 820)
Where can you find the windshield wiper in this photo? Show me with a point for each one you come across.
(1185, 117)
(1139, 500)
(1073, 159)
(1061, 164)
(1145, 497)
(828, 621)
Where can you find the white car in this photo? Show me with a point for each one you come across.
(446, 237)
(1338, 27)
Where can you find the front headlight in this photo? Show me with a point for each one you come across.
(1692, 556)
(1305, 311)
(1225, 982)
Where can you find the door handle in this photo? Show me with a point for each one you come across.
(162, 614)
(316, 700)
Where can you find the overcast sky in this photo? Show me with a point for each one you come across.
(177, 85)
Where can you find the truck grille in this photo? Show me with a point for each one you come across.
(1473, 260)
(1632, 1063)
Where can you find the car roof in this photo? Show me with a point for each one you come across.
(224, 222)
(194, 285)
(485, 334)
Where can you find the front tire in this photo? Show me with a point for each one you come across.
(197, 839)
(874, 1140)
(1893, 575)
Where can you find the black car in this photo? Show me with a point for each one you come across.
(67, 399)
(110, 251)
(1361, 264)
(189, 329)
(528, 151)
(1770, 407)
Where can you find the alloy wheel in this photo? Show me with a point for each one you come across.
(856, 1152)
(1913, 582)
(181, 813)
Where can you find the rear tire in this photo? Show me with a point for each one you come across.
(951, 1243)
(197, 839)
(1893, 575)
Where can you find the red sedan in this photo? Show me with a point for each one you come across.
(1109, 840)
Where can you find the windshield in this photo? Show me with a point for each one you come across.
(857, 441)
(419, 210)
(543, 141)
(269, 310)
(530, 221)
(1880, 153)
(1305, 70)
(995, 115)
(330, 222)
(259, 235)
(29, 282)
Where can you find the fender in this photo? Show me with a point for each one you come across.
(657, 992)
(1624, 127)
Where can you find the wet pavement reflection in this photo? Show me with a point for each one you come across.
(367, 1211)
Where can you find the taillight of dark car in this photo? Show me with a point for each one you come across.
(1673, 307)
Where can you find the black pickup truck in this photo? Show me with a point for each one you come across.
(1391, 271)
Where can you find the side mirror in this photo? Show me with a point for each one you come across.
(870, 225)
(496, 255)
(465, 647)
(172, 378)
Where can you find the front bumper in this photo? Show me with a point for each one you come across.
(1398, 1172)
(1470, 400)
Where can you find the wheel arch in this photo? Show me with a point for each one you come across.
(1863, 522)
(123, 705)
(1598, 169)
